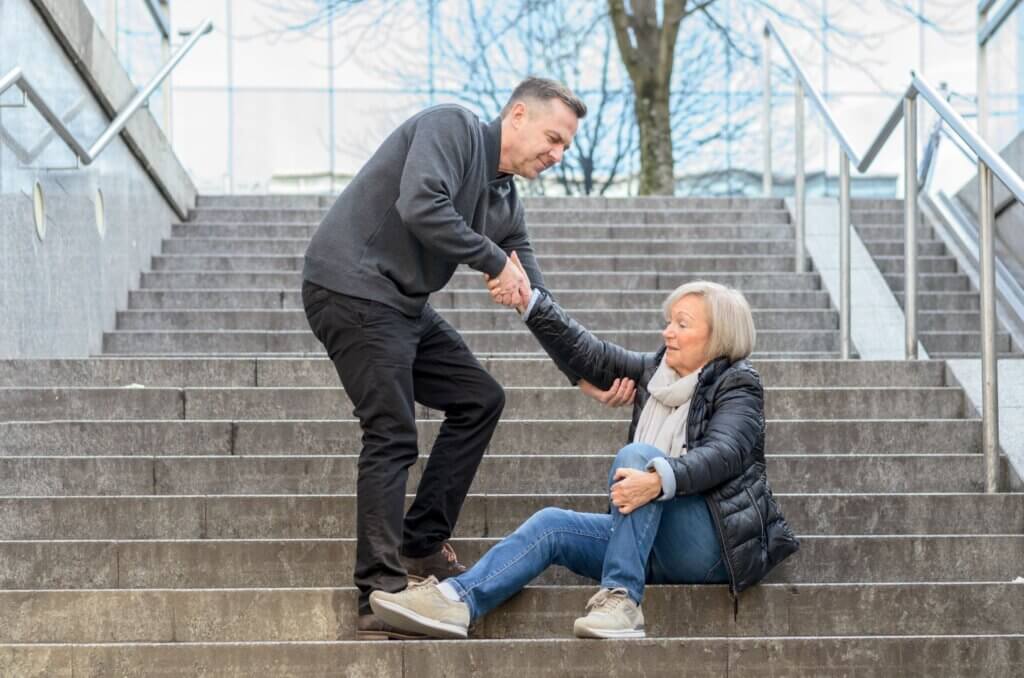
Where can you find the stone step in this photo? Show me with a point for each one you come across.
(575, 202)
(473, 280)
(944, 301)
(932, 282)
(479, 341)
(940, 264)
(495, 318)
(948, 321)
(857, 204)
(533, 216)
(649, 202)
(888, 248)
(456, 299)
(512, 371)
(547, 247)
(877, 232)
(499, 474)
(281, 200)
(525, 436)
(331, 516)
(565, 402)
(328, 614)
(709, 264)
(872, 217)
(961, 341)
(935, 656)
(637, 231)
(231, 563)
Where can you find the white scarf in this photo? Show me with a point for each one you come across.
(663, 419)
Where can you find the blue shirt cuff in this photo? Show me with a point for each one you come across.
(668, 477)
(529, 307)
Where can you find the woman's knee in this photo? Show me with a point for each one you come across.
(636, 455)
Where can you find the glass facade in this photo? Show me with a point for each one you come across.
(281, 97)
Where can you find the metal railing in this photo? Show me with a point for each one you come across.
(989, 163)
(86, 156)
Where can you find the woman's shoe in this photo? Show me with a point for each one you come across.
(611, 613)
(422, 608)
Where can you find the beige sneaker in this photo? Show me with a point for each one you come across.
(611, 613)
(422, 608)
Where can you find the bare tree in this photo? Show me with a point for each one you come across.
(485, 50)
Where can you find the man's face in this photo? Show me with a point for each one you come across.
(543, 131)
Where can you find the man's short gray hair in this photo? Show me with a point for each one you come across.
(730, 322)
(543, 89)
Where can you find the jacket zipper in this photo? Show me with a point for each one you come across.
(725, 549)
(760, 517)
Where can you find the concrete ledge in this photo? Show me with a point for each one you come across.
(74, 27)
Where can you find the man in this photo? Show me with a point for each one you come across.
(436, 194)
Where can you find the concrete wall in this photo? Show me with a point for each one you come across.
(58, 294)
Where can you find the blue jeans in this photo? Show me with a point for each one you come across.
(663, 542)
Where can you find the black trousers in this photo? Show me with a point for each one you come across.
(388, 361)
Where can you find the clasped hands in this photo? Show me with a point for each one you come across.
(511, 287)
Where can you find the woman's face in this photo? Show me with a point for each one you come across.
(687, 335)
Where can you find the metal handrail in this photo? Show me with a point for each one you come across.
(989, 163)
(16, 78)
(991, 26)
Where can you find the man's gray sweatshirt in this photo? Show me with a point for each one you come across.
(430, 198)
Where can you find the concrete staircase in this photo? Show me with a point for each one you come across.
(949, 320)
(183, 505)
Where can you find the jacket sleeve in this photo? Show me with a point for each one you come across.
(731, 435)
(519, 241)
(582, 354)
(438, 158)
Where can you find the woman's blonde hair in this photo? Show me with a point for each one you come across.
(730, 322)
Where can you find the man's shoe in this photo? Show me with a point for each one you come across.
(611, 613)
(371, 627)
(422, 608)
(442, 565)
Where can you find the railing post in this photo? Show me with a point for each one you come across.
(844, 255)
(766, 115)
(982, 79)
(799, 187)
(989, 357)
(910, 224)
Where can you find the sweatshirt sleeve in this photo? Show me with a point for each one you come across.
(439, 157)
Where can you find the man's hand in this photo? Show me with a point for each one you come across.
(633, 488)
(621, 392)
(512, 286)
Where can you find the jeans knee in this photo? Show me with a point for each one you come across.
(635, 455)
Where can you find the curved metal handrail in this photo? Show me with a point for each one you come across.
(991, 25)
(16, 78)
(811, 91)
(989, 164)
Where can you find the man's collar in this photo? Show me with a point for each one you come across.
(492, 149)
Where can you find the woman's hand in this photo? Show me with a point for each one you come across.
(621, 392)
(633, 488)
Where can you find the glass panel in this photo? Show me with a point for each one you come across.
(207, 64)
(1004, 78)
(267, 53)
(279, 137)
(201, 138)
(140, 48)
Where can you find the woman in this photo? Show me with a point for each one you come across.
(690, 498)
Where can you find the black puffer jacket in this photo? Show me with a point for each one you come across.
(724, 461)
